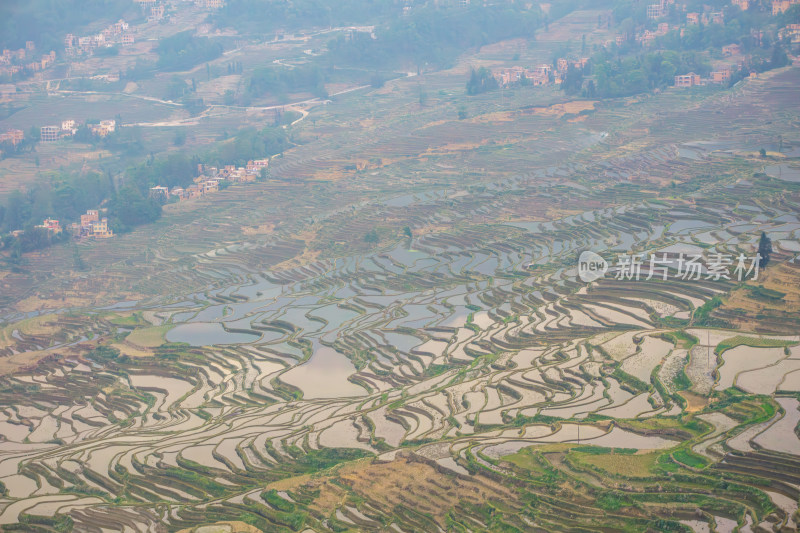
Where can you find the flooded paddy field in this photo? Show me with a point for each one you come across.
(470, 355)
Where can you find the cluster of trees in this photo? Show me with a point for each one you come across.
(65, 198)
(282, 81)
(9, 149)
(184, 50)
(263, 16)
(480, 81)
(434, 36)
(173, 170)
(640, 73)
(628, 70)
(249, 144)
(129, 207)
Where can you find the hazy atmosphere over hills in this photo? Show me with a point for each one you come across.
(399, 266)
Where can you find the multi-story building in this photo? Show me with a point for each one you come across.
(94, 226)
(100, 229)
(692, 18)
(687, 80)
(156, 13)
(655, 11)
(69, 126)
(721, 76)
(744, 5)
(92, 215)
(50, 134)
(779, 6)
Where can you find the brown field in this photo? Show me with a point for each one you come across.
(638, 465)
(405, 482)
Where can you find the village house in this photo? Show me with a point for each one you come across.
(687, 80)
(655, 11)
(100, 229)
(51, 225)
(49, 134)
(13, 136)
(692, 18)
(91, 215)
(791, 32)
(159, 192)
(69, 127)
(721, 76)
(744, 5)
(93, 226)
(156, 13)
(780, 6)
(104, 128)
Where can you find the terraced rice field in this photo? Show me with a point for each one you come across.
(462, 379)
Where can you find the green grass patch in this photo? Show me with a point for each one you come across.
(152, 337)
(689, 458)
(762, 293)
(755, 342)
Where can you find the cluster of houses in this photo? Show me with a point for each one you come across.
(543, 74)
(661, 9)
(780, 6)
(209, 180)
(12, 136)
(16, 61)
(117, 33)
(791, 32)
(68, 128)
(91, 226)
(722, 74)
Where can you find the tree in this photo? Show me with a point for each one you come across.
(130, 208)
(180, 138)
(573, 81)
(764, 249)
(763, 152)
(77, 260)
(481, 81)
(371, 236)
